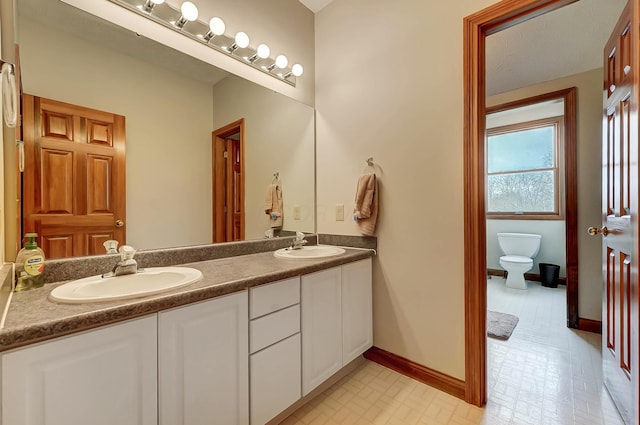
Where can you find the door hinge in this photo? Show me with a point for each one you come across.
(226, 155)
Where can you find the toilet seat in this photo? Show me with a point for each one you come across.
(517, 259)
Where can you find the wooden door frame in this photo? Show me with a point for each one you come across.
(222, 133)
(477, 27)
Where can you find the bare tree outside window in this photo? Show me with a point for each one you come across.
(522, 168)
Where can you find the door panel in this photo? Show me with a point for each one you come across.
(74, 178)
(619, 200)
(57, 178)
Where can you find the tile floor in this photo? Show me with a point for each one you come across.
(545, 374)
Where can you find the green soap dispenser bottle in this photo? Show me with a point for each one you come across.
(29, 265)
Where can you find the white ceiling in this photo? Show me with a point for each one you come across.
(567, 41)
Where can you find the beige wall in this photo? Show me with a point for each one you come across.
(168, 122)
(589, 86)
(278, 138)
(389, 85)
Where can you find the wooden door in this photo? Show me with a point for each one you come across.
(74, 177)
(228, 183)
(619, 201)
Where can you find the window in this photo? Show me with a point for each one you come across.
(523, 169)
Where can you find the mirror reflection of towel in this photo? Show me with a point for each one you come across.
(273, 205)
(366, 204)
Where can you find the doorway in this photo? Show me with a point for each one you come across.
(228, 182)
(556, 112)
(477, 27)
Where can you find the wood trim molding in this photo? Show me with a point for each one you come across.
(476, 28)
(589, 325)
(433, 378)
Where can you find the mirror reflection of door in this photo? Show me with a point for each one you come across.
(74, 177)
(228, 182)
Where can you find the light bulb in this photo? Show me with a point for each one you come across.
(216, 25)
(189, 11)
(281, 61)
(297, 69)
(150, 4)
(242, 39)
(263, 51)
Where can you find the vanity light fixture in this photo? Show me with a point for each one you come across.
(150, 4)
(212, 34)
(216, 27)
(189, 14)
(240, 41)
(262, 52)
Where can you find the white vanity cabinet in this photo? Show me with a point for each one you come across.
(275, 362)
(336, 320)
(99, 377)
(321, 327)
(203, 372)
(357, 310)
(236, 359)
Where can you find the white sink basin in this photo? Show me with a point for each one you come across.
(151, 281)
(309, 252)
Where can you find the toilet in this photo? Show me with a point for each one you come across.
(519, 250)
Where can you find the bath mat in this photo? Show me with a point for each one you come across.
(500, 325)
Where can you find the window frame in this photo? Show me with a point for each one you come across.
(558, 123)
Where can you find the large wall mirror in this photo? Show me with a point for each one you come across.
(172, 105)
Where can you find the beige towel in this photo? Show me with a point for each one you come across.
(273, 205)
(366, 204)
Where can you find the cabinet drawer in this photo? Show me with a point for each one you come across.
(275, 379)
(270, 329)
(266, 299)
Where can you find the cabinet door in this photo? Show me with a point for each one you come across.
(275, 379)
(203, 362)
(101, 377)
(357, 317)
(321, 327)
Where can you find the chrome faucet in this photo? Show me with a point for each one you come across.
(126, 265)
(298, 242)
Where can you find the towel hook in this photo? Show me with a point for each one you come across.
(276, 176)
(369, 161)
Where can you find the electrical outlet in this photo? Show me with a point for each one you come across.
(339, 212)
(296, 212)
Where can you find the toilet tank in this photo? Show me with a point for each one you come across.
(524, 244)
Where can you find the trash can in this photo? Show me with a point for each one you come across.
(549, 274)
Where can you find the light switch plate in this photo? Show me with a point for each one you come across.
(296, 212)
(339, 212)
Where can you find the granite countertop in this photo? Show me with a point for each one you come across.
(32, 317)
